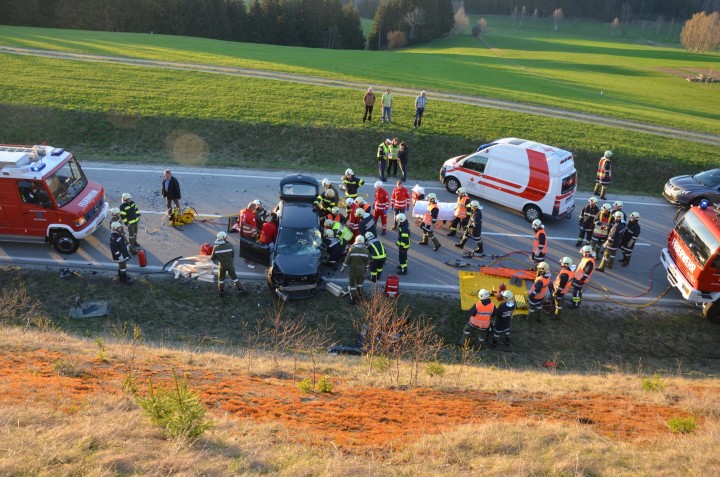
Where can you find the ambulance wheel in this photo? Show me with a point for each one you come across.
(65, 243)
(532, 212)
(452, 185)
(711, 311)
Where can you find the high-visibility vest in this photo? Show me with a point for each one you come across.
(428, 218)
(382, 201)
(400, 198)
(536, 243)
(342, 232)
(248, 226)
(558, 281)
(580, 270)
(461, 207)
(383, 151)
(537, 296)
(483, 313)
(130, 213)
(602, 173)
(602, 220)
(377, 250)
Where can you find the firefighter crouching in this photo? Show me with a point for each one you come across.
(474, 229)
(632, 232)
(615, 235)
(582, 274)
(562, 284)
(480, 315)
(503, 318)
(587, 221)
(539, 291)
(602, 228)
(403, 243)
(224, 254)
(377, 256)
(120, 250)
(358, 259)
(460, 213)
(540, 248)
(429, 221)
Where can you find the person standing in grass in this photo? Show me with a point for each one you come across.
(387, 103)
(392, 164)
(420, 103)
(369, 100)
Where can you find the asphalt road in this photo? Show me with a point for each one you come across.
(220, 192)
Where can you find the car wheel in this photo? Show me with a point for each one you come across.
(532, 212)
(711, 311)
(65, 243)
(452, 185)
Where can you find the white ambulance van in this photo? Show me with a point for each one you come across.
(527, 176)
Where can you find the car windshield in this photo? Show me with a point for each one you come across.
(708, 178)
(298, 241)
(698, 238)
(67, 182)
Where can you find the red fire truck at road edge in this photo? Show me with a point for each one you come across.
(45, 196)
(692, 258)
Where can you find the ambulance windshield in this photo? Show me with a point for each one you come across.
(67, 182)
(698, 238)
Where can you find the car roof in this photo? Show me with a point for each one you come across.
(298, 215)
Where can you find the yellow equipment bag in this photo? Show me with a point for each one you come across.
(471, 282)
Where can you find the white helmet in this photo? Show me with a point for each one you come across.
(329, 233)
(606, 207)
(592, 200)
(326, 182)
(257, 202)
(461, 191)
(475, 204)
(431, 197)
(126, 196)
(359, 239)
(543, 267)
(401, 218)
(369, 236)
(359, 200)
(608, 153)
(349, 172)
(508, 295)
(635, 216)
(335, 210)
(330, 193)
(618, 215)
(359, 212)
(115, 226)
(349, 201)
(618, 204)
(115, 211)
(378, 184)
(537, 223)
(566, 261)
(221, 235)
(483, 294)
(586, 250)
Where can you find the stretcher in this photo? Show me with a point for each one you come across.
(446, 212)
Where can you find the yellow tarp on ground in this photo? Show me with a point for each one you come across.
(471, 282)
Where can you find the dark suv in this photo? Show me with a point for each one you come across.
(293, 261)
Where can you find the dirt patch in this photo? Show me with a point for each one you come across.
(357, 419)
(685, 73)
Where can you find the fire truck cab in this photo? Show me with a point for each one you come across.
(692, 258)
(45, 197)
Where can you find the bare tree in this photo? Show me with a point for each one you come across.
(658, 25)
(480, 28)
(396, 39)
(536, 14)
(523, 14)
(613, 25)
(514, 14)
(415, 18)
(701, 32)
(461, 22)
(557, 16)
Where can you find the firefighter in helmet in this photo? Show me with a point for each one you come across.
(224, 254)
(503, 318)
(587, 221)
(583, 272)
(351, 184)
(632, 232)
(403, 242)
(615, 235)
(479, 322)
(562, 284)
(460, 213)
(601, 227)
(358, 259)
(120, 250)
(429, 220)
(539, 290)
(604, 173)
(130, 215)
(539, 250)
(474, 229)
(377, 256)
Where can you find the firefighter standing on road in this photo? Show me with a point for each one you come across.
(582, 274)
(539, 291)
(539, 250)
(601, 228)
(351, 184)
(429, 221)
(474, 229)
(381, 205)
(358, 259)
(460, 214)
(403, 243)
(632, 232)
(377, 256)
(480, 315)
(503, 318)
(225, 255)
(615, 236)
(587, 221)
(130, 215)
(617, 206)
(120, 251)
(563, 283)
(604, 173)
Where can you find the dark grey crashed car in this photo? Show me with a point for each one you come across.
(293, 261)
(690, 190)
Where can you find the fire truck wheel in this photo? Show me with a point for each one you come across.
(65, 243)
(711, 311)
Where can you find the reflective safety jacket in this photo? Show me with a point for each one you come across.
(474, 228)
(632, 232)
(403, 240)
(587, 216)
(129, 213)
(377, 249)
(539, 288)
(352, 185)
(400, 198)
(503, 316)
(367, 224)
(382, 199)
(604, 170)
(223, 252)
(357, 258)
(119, 247)
(430, 217)
(585, 270)
(481, 313)
(540, 242)
(342, 232)
(248, 225)
(461, 207)
(602, 224)
(617, 230)
(383, 151)
(563, 281)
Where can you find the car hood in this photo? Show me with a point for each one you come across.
(687, 183)
(297, 264)
(454, 160)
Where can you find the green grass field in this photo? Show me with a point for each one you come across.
(123, 113)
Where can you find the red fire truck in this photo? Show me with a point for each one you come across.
(692, 258)
(45, 196)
